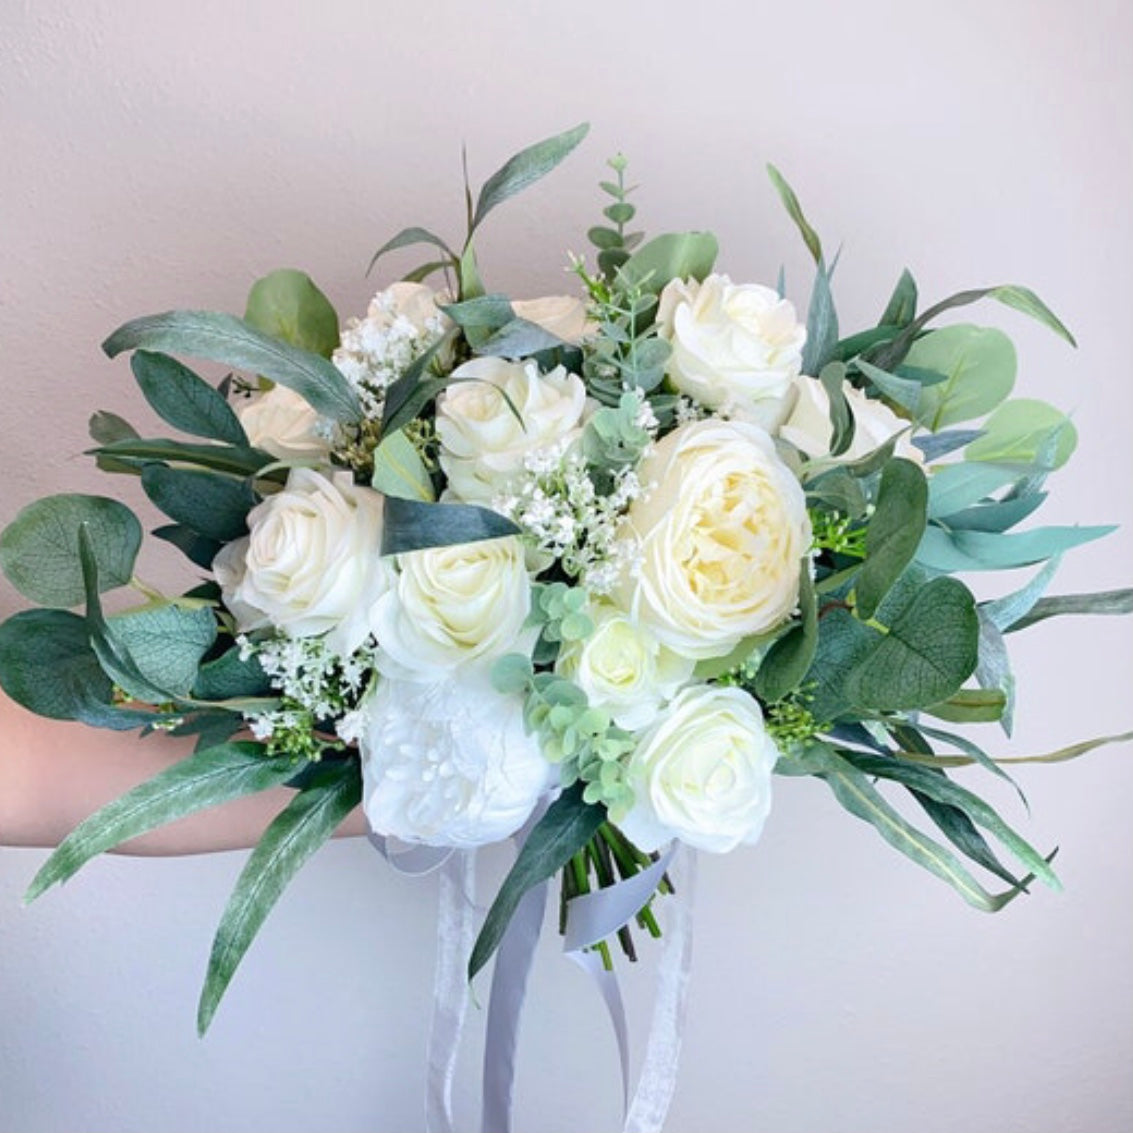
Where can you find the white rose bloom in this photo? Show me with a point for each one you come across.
(722, 528)
(448, 763)
(808, 428)
(453, 606)
(310, 564)
(483, 445)
(283, 423)
(734, 344)
(564, 316)
(623, 668)
(702, 772)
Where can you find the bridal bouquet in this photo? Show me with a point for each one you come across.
(587, 570)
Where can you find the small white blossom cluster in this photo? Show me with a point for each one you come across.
(562, 513)
(401, 324)
(315, 683)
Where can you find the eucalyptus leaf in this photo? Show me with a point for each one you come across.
(105, 428)
(929, 651)
(288, 305)
(211, 505)
(407, 238)
(1102, 602)
(518, 338)
(231, 676)
(955, 551)
(993, 670)
(308, 821)
(1007, 610)
(411, 525)
(894, 533)
(958, 486)
(400, 471)
(853, 789)
(1021, 431)
(995, 516)
(961, 831)
(47, 665)
(197, 548)
(833, 379)
(935, 445)
(566, 827)
(795, 211)
(233, 342)
(789, 658)
(236, 460)
(525, 168)
(902, 306)
(821, 324)
(185, 400)
(978, 364)
(165, 642)
(203, 780)
(39, 548)
(676, 255)
(971, 706)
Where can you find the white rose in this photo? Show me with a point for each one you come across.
(733, 343)
(702, 772)
(722, 526)
(623, 668)
(310, 564)
(449, 763)
(452, 606)
(808, 427)
(483, 444)
(284, 424)
(564, 316)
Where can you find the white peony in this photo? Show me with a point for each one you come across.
(722, 528)
(808, 428)
(310, 564)
(623, 668)
(702, 772)
(483, 442)
(735, 345)
(448, 763)
(283, 423)
(564, 316)
(453, 606)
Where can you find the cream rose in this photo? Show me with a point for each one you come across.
(448, 763)
(284, 424)
(564, 316)
(702, 772)
(450, 607)
(310, 563)
(483, 444)
(722, 527)
(808, 427)
(623, 668)
(734, 344)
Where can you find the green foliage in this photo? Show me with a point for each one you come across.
(676, 255)
(203, 780)
(795, 211)
(212, 505)
(566, 827)
(165, 642)
(183, 400)
(1021, 430)
(789, 658)
(978, 364)
(287, 305)
(615, 244)
(562, 611)
(902, 306)
(400, 471)
(410, 525)
(308, 821)
(39, 549)
(235, 343)
(613, 437)
(134, 453)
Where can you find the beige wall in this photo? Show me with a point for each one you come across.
(159, 154)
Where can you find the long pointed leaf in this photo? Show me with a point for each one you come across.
(566, 827)
(1102, 602)
(308, 821)
(204, 780)
(795, 211)
(525, 168)
(233, 342)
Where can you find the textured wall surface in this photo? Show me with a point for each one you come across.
(165, 154)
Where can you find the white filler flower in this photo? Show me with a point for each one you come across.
(448, 763)
(702, 772)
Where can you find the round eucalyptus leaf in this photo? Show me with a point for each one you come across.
(39, 549)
